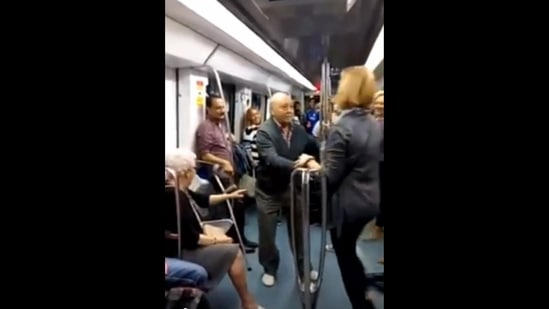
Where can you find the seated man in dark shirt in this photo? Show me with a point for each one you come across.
(208, 248)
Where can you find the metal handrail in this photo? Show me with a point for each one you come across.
(309, 295)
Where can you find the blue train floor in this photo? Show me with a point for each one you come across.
(284, 294)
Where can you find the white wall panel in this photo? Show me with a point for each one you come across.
(170, 117)
(182, 42)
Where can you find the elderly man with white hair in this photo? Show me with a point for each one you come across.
(210, 249)
(282, 147)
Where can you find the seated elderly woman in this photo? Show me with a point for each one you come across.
(213, 251)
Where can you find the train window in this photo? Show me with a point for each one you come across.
(228, 92)
(266, 112)
(256, 100)
(335, 76)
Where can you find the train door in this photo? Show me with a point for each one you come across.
(170, 116)
(266, 108)
(258, 102)
(229, 91)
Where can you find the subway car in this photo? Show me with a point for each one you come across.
(244, 51)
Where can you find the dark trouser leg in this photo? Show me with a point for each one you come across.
(350, 266)
(267, 213)
(240, 217)
(379, 220)
(238, 208)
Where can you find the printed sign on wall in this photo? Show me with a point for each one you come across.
(200, 93)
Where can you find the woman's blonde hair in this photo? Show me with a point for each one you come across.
(248, 117)
(357, 87)
(378, 97)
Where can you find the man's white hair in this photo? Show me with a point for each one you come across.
(278, 97)
(180, 160)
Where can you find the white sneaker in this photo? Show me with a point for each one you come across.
(314, 275)
(268, 280)
(312, 286)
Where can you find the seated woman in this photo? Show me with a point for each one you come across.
(182, 273)
(213, 251)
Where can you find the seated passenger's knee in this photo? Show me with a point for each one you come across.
(182, 273)
(201, 276)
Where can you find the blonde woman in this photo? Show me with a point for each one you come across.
(379, 111)
(252, 122)
(353, 152)
(379, 105)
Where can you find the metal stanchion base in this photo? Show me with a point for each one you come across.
(313, 296)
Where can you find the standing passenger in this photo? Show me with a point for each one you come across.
(252, 121)
(283, 147)
(214, 145)
(298, 115)
(311, 116)
(353, 153)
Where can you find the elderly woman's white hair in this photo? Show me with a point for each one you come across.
(180, 160)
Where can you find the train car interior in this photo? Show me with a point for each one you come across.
(244, 51)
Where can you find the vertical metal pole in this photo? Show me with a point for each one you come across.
(233, 218)
(305, 295)
(267, 110)
(306, 239)
(292, 220)
(325, 117)
(174, 174)
(309, 296)
(222, 94)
